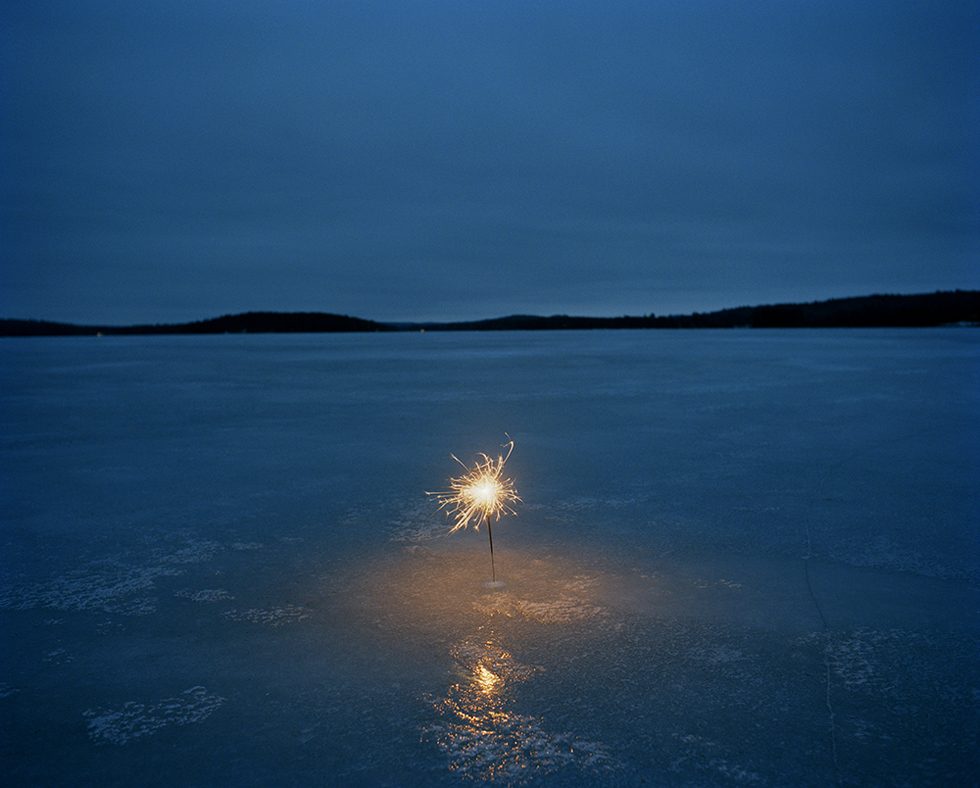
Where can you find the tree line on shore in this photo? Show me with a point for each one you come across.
(951, 307)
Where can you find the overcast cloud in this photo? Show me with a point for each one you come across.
(421, 160)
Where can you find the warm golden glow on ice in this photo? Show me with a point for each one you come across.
(487, 682)
(483, 492)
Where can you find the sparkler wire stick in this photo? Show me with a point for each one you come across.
(493, 570)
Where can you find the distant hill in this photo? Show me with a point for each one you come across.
(874, 311)
(949, 307)
(245, 323)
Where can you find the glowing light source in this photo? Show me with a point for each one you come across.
(481, 493)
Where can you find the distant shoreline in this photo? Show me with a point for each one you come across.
(924, 310)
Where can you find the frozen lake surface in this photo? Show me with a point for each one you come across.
(742, 557)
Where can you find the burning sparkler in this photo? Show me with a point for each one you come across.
(482, 493)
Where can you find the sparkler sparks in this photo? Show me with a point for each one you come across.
(482, 493)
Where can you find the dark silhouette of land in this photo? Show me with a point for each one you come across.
(951, 307)
(245, 323)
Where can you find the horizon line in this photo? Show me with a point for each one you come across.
(512, 315)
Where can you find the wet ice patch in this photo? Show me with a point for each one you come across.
(270, 616)
(242, 546)
(6, 690)
(135, 720)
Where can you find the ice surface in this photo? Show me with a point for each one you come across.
(743, 557)
(204, 595)
(273, 616)
(135, 720)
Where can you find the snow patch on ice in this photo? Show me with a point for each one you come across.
(111, 588)
(722, 582)
(194, 551)
(207, 595)
(58, 656)
(135, 720)
(865, 730)
(580, 503)
(719, 654)
(419, 523)
(242, 546)
(6, 690)
(852, 659)
(112, 585)
(108, 626)
(700, 753)
(860, 658)
(270, 616)
(879, 551)
(416, 532)
(573, 603)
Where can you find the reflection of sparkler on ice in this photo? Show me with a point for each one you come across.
(488, 740)
(482, 493)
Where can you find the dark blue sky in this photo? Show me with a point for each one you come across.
(441, 160)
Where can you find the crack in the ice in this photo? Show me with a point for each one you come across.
(826, 654)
